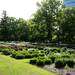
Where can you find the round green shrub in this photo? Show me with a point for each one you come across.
(71, 51)
(42, 51)
(52, 57)
(33, 61)
(13, 54)
(28, 56)
(60, 63)
(70, 62)
(48, 61)
(58, 50)
(34, 55)
(40, 57)
(41, 54)
(19, 56)
(53, 50)
(65, 55)
(40, 62)
(6, 51)
(40, 48)
(1, 49)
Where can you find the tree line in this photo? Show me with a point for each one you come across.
(53, 22)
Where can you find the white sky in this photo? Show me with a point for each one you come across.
(18, 8)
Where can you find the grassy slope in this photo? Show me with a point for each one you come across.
(10, 66)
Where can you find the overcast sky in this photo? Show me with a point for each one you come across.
(18, 8)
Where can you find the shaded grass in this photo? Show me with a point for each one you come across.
(10, 66)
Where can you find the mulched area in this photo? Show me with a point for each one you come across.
(59, 71)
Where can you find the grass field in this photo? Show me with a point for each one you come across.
(10, 66)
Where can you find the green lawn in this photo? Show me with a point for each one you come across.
(10, 66)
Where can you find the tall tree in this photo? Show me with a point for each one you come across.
(4, 27)
(23, 30)
(45, 17)
(67, 26)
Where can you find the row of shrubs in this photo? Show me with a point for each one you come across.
(6, 51)
(42, 57)
(21, 54)
(40, 61)
(53, 56)
(36, 52)
(60, 50)
(59, 63)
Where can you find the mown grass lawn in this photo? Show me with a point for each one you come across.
(10, 66)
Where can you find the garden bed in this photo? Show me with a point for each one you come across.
(51, 59)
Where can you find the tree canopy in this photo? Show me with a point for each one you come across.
(51, 23)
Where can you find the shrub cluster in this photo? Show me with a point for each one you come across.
(1, 49)
(61, 63)
(22, 54)
(40, 61)
(43, 57)
(6, 51)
